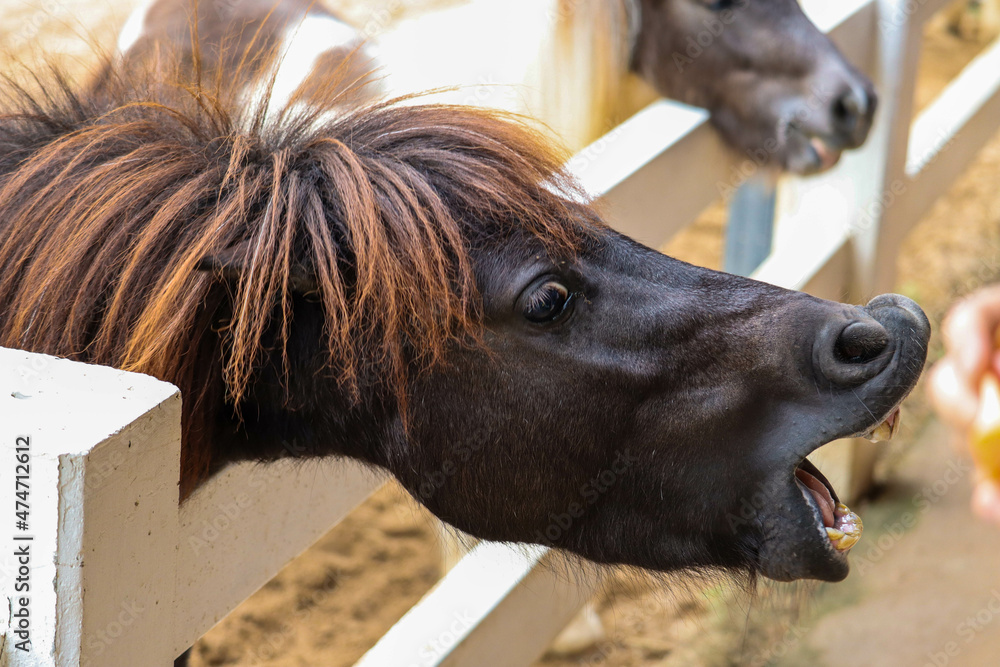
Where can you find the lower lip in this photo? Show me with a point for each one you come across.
(827, 157)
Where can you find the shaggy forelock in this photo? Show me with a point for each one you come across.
(111, 202)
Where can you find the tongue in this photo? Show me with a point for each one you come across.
(821, 494)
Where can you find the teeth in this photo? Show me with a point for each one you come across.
(835, 534)
(848, 542)
(884, 431)
(849, 531)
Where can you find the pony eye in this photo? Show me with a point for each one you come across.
(548, 303)
(719, 5)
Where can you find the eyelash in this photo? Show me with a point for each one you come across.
(549, 290)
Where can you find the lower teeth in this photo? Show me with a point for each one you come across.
(849, 531)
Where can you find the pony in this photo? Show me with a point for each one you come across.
(776, 87)
(421, 288)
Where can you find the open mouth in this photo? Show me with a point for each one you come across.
(838, 525)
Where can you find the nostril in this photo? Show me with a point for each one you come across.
(849, 108)
(861, 342)
(850, 352)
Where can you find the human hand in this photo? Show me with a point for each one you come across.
(970, 332)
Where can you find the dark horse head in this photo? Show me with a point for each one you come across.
(419, 288)
(777, 88)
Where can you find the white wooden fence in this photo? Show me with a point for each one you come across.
(120, 575)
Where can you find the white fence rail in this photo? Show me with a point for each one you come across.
(121, 575)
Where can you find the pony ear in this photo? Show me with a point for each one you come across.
(228, 265)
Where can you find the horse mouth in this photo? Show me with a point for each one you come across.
(812, 153)
(827, 155)
(838, 526)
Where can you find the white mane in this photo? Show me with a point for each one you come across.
(562, 62)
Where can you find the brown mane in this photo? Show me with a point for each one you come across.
(112, 202)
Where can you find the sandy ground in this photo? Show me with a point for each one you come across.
(906, 605)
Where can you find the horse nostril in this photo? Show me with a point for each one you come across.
(861, 342)
(852, 353)
(850, 108)
(851, 114)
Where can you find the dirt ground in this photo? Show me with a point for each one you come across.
(333, 602)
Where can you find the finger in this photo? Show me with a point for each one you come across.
(969, 329)
(954, 400)
(986, 501)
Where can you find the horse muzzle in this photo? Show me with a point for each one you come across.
(866, 360)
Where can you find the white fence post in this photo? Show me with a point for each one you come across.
(876, 239)
(93, 579)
